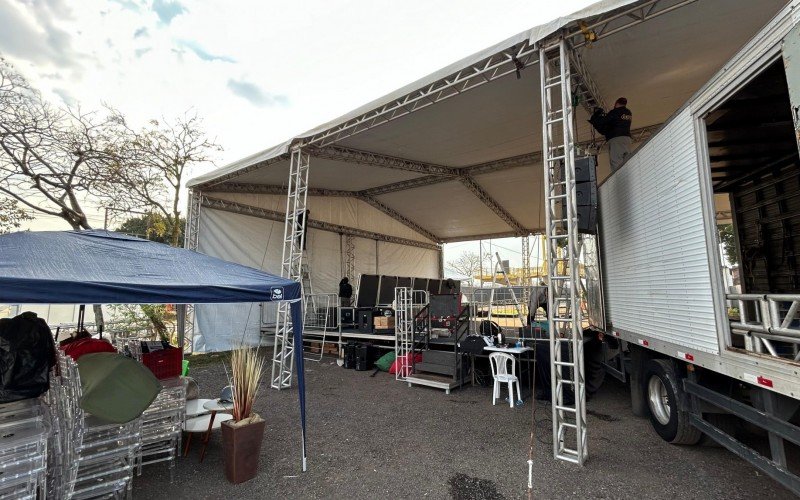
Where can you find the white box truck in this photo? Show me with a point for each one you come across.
(703, 358)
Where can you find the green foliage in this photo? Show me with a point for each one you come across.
(153, 227)
(728, 240)
(11, 216)
(147, 320)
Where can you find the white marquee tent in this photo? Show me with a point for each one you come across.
(456, 155)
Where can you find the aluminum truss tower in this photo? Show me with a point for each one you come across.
(564, 317)
(292, 267)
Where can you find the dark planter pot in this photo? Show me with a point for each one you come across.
(241, 447)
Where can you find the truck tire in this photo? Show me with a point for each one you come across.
(662, 392)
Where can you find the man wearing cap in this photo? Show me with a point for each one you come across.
(616, 126)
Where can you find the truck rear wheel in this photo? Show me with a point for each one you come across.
(662, 392)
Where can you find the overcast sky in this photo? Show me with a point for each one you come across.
(257, 71)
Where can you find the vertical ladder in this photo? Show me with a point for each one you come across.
(564, 315)
(291, 268)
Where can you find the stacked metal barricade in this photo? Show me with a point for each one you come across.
(24, 431)
(162, 426)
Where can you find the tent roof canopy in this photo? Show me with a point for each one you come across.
(102, 267)
(458, 153)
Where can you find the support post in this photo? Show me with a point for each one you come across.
(563, 312)
(291, 268)
(190, 242)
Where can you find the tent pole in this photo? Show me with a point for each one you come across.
(180, 320)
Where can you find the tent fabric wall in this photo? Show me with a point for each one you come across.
(244, 240)
(257, 243)
(348, 212)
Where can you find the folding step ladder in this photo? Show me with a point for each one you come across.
(500, 270)
(292, 267)
(564, 315)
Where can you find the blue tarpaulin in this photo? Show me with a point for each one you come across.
(103, 267)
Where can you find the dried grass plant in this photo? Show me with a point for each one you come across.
(247, 369)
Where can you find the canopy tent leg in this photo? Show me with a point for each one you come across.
(563, 311)
(292, 268)
(296, 308)
(180, 320)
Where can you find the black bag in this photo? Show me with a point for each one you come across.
(27, 352)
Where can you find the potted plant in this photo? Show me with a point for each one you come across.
(242, 436)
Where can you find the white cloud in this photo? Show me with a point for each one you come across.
(257, 73)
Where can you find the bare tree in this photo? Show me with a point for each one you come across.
(467, 264)
(48, 154)
(153, 165)
(11, 216)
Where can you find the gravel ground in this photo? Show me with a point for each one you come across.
(373, 437)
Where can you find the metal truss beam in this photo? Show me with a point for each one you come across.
(398, 217)
(488, 167)
(493, 67)
(403, 185)
(263, 213)
(587, 91)
(239, 172)
(349, 155)
(605, 24)
(495, 207)
(502, 164)
(233, 187)
(488, 236)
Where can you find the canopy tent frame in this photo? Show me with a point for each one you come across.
(103, 267)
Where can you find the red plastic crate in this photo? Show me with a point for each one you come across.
(164, 364)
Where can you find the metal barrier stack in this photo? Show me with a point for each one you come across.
(24, 432)
(162, 426)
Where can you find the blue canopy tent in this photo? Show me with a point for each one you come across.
(103, 267)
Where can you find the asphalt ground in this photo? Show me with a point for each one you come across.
(374, 437)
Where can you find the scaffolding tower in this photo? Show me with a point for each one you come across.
(564, 315)
(291, 268)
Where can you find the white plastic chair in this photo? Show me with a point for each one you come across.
(502, 375)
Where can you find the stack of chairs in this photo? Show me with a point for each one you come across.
(162, 426)
(24, 433)
(106, 456)
(67, 430)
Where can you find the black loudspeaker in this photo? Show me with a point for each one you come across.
(348, 316)
(364, 317)
(366, 354)
(586, 169)
(587, 218)
(586, 193)
(350, 355)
